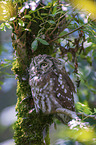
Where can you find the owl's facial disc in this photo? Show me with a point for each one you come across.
(44, 66)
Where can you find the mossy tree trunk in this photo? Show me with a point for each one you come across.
(30, 127)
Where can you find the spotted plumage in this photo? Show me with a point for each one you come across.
(51, 86)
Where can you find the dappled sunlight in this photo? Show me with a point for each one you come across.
(6, 10)
(86, 5)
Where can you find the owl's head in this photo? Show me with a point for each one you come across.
(42, 64)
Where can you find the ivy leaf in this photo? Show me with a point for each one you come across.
(43, 41)
(34, 45)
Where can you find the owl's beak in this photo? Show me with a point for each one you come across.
(39, 70)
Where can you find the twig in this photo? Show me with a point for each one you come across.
(71, 31)
(87, 116)
(52, 25)
(57, 25)
(63, 36)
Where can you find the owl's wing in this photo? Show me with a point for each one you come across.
(64, 91)
(52, 92)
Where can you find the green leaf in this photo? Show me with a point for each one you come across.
(43, 41)
(27, 16)
(83, 108)
(54, 10)
(8, 25)
(52, 22)
(34, 45)
(94, 110)
(12, 18)
(2, 27)
(62, 33)
(71, 65)
(94, 53)
(21, 23)
(69, 56)
(88, 49)
(89, 59)
(44, 14)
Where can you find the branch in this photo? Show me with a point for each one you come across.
(68, 112)
(73, 114)
(56, 25)
(63, 36)
(86, 115)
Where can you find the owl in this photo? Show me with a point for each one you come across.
(51, 86)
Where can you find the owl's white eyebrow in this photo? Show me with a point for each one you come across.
(35, 78)
(32, 68)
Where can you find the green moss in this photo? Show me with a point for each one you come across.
(42, 49)
(30, 126)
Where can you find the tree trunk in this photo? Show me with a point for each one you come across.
(30, 127)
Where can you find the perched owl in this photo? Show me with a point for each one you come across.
(51, 86)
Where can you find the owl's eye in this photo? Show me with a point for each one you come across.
(43, 64)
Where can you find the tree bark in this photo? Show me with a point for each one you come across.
(30, 127)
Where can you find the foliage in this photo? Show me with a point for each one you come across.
(5, 64)
(60, 30)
